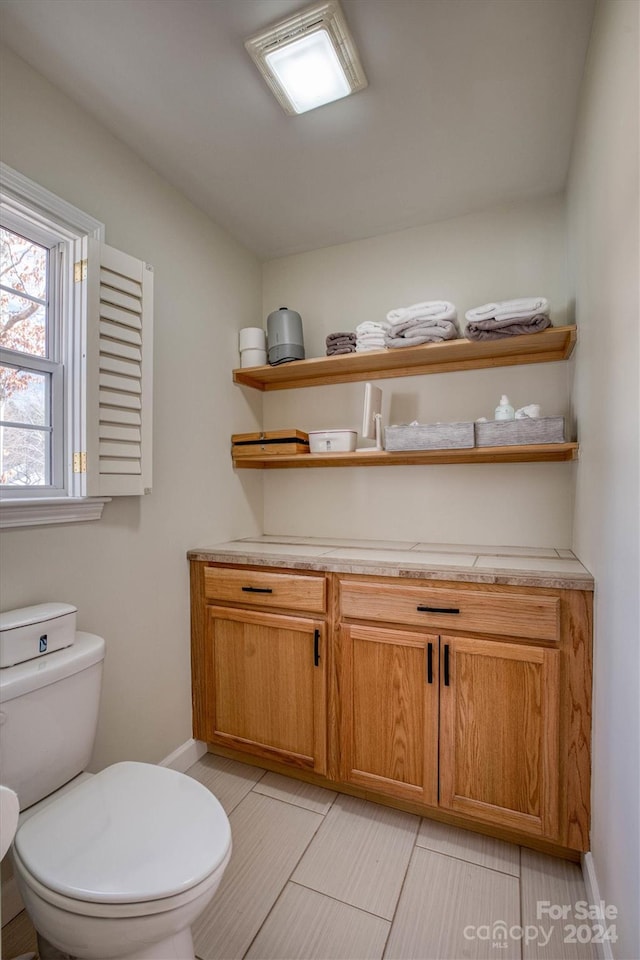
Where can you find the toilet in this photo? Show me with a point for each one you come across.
(113, 865)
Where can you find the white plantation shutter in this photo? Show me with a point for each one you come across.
(118, 371)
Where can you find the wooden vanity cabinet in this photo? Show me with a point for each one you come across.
(465, 724)
(388, 681)
(260, 674)
(468, 701)
(497, 731)
(267, 685)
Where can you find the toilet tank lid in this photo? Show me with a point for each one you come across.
(33, 674)
(37, 613)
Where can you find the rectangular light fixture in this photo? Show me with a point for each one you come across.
(309, 59)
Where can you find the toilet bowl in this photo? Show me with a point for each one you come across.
(115, 865)
(121, 866)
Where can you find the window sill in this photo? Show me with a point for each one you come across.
(31, 513)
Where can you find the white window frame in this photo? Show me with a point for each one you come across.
(24, 201)
(54, 362)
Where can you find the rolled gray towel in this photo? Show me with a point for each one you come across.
(346, 335)
(332, 351)
(425, 333)
(493, 329)
(418, 326)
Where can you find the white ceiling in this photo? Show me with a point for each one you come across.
(470, 103)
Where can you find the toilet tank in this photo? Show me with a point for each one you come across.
(48, 713)
(33, 631)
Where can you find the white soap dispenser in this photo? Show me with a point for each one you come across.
(504, 410)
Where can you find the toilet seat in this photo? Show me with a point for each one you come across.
(95, 930)
(133, 834)
(117, 910)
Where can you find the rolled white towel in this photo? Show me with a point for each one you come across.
(367, 347)
(435, 309)
(372, 334)
(372, 326)
(522, 309)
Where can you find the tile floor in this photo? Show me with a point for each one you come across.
(317, 875)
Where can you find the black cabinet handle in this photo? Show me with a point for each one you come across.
(257, 590)
(437, 610)
(316, 648)
(446, 664)
(429, 663)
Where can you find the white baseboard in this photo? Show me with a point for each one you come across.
(185, 755)
(603, 950)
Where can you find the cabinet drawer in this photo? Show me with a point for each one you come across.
(505, 614)
(265, 589)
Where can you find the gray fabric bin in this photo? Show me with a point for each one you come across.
(507, 433)
(429, 436)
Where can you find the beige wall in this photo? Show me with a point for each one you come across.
(517, 250)
(127, 573)
(604, 213)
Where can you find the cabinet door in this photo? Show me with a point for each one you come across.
(266, 685)
(389, 724)
(499, 728)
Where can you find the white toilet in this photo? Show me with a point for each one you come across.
(116, 865)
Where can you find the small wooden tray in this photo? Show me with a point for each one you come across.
(270, 443)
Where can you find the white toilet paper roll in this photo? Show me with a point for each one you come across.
(252, 338)
(253, 358)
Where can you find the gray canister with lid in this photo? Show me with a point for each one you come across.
(284, 336)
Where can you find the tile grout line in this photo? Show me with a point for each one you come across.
(260, 928)
(291, 803)
(402, 886)
(376, 916)
(473, 863)
(288, 879)
(459, 860)
(237, 804)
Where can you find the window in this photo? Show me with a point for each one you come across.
(75, 361)
(31, 368)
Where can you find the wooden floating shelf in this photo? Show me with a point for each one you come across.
(554, 343)
(531, 453)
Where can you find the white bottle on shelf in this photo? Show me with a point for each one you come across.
(504, 410)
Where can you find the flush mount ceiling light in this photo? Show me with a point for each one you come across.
(309, 59)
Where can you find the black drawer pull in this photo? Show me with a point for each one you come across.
(446, 664)
(437, 610)
(257, 590)
(316, 648)
(429, 663)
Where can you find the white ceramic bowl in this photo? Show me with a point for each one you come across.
(332, 441)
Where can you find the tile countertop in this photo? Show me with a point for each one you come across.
(517, 566)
